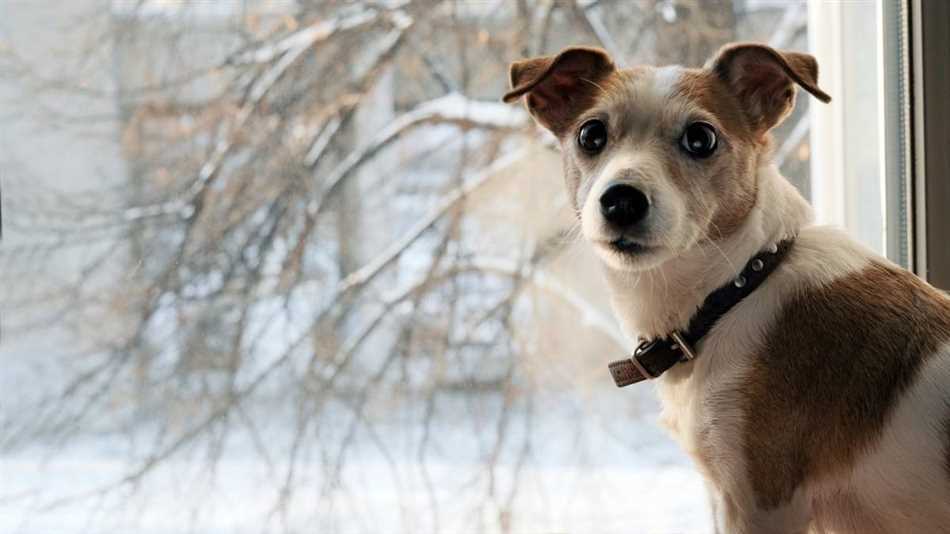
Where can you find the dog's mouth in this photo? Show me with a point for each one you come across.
(629, 254)
(625, 245)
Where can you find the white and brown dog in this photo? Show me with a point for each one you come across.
(816, 396)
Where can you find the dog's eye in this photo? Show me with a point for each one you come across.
(592, 137)
(699, 139)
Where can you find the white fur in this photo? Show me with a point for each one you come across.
(665, 80)
(901, 485)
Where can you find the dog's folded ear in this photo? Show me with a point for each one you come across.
(763, 79)
(559, 88)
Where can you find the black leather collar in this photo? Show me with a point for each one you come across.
(653, 357)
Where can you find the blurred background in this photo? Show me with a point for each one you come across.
(291, 266)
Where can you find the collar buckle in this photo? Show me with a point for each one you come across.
(651, 358)
(680, 344)
(644, 346)
(631, 370)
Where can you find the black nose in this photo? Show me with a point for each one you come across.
(623, 205)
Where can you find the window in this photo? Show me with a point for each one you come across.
(859, 158)
(291, 264)
(930, 22)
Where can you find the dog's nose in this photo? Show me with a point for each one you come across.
(623, 205)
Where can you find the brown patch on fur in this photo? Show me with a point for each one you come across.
(736, 186)
(713, 95)
(946, 464)
(832, 369)
(844, 512)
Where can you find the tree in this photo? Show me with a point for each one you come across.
(316, 254)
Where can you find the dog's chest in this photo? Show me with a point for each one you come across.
(701, 408)
(703, 400)
(683, 416)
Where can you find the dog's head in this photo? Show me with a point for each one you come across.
(658, 160)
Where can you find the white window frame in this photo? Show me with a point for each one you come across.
(852, 162)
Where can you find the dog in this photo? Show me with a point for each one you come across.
(811, 377)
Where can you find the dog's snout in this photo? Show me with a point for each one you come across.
(623, 205)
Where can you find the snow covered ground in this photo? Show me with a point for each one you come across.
(662, 499)
(608, 474)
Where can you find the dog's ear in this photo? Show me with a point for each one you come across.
(763, 79)
(561, 87)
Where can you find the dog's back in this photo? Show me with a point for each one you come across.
(823, 398)
(849, 396)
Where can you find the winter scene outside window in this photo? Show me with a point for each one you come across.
(291, 266)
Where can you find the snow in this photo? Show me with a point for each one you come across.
(451, 108)
(659, 500)
(320, 31)
(322, 141)
(610, 473)
(455, 106)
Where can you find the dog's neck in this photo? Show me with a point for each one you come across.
(655, 302)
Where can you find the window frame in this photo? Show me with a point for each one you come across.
(850, 187)
(930, 53)
(896, 153)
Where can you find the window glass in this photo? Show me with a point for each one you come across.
(849, 152)
(292, 264)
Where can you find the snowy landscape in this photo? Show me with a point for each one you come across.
(291, 266)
